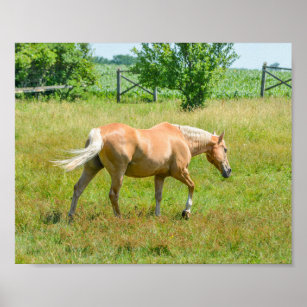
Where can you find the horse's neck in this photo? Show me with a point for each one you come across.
(197, 139)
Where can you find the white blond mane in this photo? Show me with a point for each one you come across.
(196, 137)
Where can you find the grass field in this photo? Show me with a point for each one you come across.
(237, 83)
(243, 219)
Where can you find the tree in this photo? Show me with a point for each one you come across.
(123, 59)
(191, 68)
(276, 64)
(119, 59)
(32, 64)
(100, 60)
(40, 64)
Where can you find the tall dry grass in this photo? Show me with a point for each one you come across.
(243, 219)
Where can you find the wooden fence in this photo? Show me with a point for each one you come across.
(265, 71)
(40, 89)
(119, 93)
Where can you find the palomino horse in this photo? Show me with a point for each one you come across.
(161, 151)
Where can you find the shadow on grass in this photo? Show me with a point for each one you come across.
(52, 217)
(129, 249)
(160, 250)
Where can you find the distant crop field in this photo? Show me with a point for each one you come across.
(237, 83)
(243, 219)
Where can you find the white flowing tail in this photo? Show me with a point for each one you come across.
(83, 155)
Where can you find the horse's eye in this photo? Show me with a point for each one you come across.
(225, 149)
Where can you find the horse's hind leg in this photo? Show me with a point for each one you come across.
(117, 181)
(184, 176)
(89, 171)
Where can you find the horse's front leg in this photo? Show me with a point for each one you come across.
(187, 212)
(158, 193)
(184, 176)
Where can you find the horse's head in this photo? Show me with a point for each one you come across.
(217, 154)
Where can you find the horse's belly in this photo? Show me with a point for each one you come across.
(135, 169)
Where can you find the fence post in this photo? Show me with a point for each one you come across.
(118, 85)
(263, 79)
(155, 95)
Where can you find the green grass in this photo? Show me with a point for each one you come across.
(243, 219)
(237, 83)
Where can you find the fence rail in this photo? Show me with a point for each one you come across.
(263, 79)
(281, 68)
(40, 89)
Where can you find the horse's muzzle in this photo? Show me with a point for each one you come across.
(226, 172)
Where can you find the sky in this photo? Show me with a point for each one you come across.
(252, 55)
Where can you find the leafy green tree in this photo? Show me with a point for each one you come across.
(122, 59)
(100, 60)
(276, 64)
(40, 64)
(119, 59)
(32, 64)
(191, 68)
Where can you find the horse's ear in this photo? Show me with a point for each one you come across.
(221, 137)
(213, 133)
(214, 140)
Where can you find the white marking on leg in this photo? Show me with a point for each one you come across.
(188, 204)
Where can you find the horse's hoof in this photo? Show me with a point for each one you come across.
(70, 218)
(186, 214)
